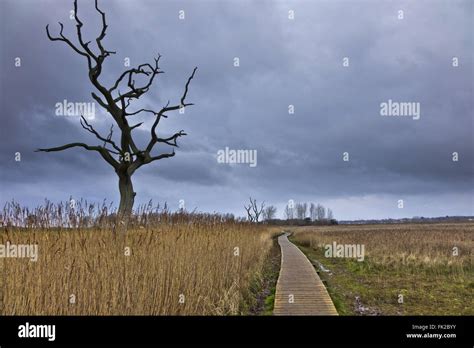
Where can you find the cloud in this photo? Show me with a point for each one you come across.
(282, 62)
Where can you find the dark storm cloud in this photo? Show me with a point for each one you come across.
(282, 62)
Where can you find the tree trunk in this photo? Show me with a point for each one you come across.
(127, 197)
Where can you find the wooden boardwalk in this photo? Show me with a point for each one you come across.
(299, 289)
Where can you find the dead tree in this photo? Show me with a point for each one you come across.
(312, 212)
(301, 209)
(125, 156)
(253, 210)
(289, 211)
(320, 212)
(330, 215)
(269, 213)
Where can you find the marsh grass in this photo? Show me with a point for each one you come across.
(414, 260)
(166, 264)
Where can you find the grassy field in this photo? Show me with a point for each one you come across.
(414, 269)
(206, 264)
(181, 265)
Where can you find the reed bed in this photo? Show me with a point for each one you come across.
(441, 247)
(408, 269)
(166, 263)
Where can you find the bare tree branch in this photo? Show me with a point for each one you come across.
(141, 110)
(88, 127)
(154, 138)
(103, 151)
(136, 126)
(100, 101)
(85, 45)
(249, 213)
(253, 211)
(186, 88)
(67, 41)
(103, 52)
(172, 140)
(164, 155)
(136, 92)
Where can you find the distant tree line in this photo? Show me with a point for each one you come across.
(295, 213)
(302, 213)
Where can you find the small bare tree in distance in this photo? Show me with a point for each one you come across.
(253, 210)
(269, 213)
(330, 215)
(301, 209)
(320, 212)
(289, 212)
(312, 212)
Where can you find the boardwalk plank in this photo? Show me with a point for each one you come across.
(299, 289)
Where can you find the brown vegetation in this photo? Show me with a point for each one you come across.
(408, 269)
(167, 263)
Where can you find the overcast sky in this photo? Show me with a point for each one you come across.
(283, 62)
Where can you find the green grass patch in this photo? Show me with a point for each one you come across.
(264, 285)
(368, 288)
